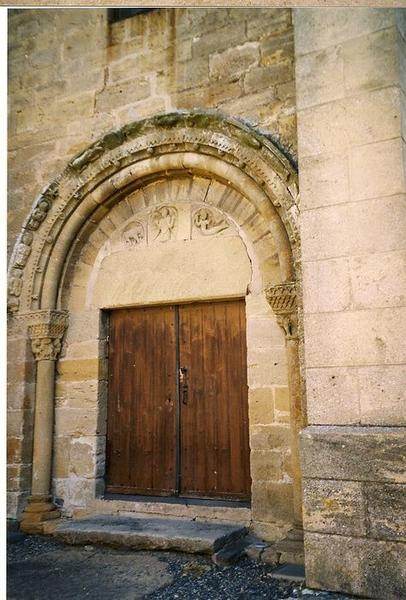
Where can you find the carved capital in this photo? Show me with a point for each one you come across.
(46, 329)
(282, 300)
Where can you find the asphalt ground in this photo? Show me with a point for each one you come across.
(41, 568)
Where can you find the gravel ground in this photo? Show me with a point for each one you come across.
(40, 568)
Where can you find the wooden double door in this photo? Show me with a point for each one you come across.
(177, 409)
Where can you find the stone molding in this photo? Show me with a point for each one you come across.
(46, 330)
(124, 155)
(282, 298)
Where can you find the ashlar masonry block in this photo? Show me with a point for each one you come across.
(374, 454)
(365, 567)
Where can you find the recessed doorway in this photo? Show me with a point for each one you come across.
(178, 406)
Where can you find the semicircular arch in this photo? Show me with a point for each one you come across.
(197, 143)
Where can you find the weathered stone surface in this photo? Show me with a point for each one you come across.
(354, 453)
(267, 367)
(270, 556)
(320, 77)
(189, 510)
(334, 507)
(382, 395)
(150, 533)
(216, 41)
(20, 396)
(352, 340)
(359, 566)
(77, 422)
(265, 331)
(380, 222)
(18, 477)
(318, 30)
(326, 285)
(82, 394)
(386, 508)
(269, 437)
(235, 61)
(332, 396)
(371, 61)
(61, 457)
(177, 269)
(272, 502)
(78, 491)
(289, 552)
(87, 456)
(324, 180)
(282, 399)
(261, 406)
(378, 280)
(385, 163)
(123, 92)
(266, 465)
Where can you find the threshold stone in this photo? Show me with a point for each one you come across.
(150, 533)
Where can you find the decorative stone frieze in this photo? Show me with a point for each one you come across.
(38, 214)
(282, 299)
(23, 250)
(46, 333)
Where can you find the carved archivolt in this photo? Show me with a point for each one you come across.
(203, 141)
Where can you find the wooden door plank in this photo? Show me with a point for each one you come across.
(214, 422)
(141, 432)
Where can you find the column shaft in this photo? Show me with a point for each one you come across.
(43, 427)
(46, 330)
(296, 423)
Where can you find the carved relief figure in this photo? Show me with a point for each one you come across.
(164, 220)
(38, 214)
(46, 348)
(13, 304)
(15, 282)
(207, 223)
(133, 234)
(23, 250)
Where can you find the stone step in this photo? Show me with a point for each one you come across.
(286, 551)
(150, 533)
(189, 508)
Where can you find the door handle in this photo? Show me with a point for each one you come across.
(183, 384)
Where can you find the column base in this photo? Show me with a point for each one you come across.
(38, 512)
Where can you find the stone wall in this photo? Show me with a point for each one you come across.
(72, 77)
(350, 97)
